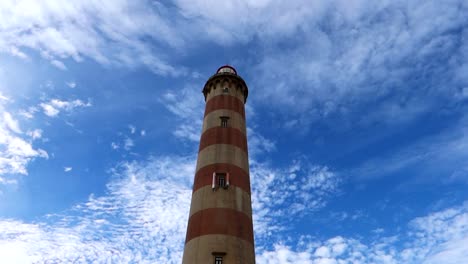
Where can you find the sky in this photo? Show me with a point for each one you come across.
(357, 127)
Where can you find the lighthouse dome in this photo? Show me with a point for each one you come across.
(227, 69)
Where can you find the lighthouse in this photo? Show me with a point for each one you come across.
(220, 228)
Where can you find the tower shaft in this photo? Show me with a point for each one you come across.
(220, 228)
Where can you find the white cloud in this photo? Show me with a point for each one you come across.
(452, 252)
(3, 97)
(114, 145)
(67, 169)
(17, 53)
(146, 203)
(54, 106)
(334, 57)
(7, 181)
(187, 104)
(445, 152)
(337, 63)
(282, 195)
(322, 252)
(268, 19)
(142, 219)
(258, 144)
(29, 113)
(109, 32)
(132, 129)
(439, 237)
(49, 109)
(15, 151)
(188, 132)
(128, 143)
(71, 84)
(35, 134)
(68, 105)
(11, 123)
(59, 65)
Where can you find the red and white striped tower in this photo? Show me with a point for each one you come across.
(220, 228)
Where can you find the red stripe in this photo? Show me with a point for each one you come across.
(228, 102)
(237, 176)
(223, 135)
(221, 221)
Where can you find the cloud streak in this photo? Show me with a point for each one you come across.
(187, 105)
(445, 153)
(61, 31)
(343, 57)
(439, 237)
(142, 218)
(16, 151)
(281, 196)
(54, 106)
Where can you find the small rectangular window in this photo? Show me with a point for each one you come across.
(224, 121)
(221, 180)
(218, 260)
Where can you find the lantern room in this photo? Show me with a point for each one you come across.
(227, 69)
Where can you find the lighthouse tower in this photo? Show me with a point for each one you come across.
(220, 229)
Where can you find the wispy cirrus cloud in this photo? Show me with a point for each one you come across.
(59, 65)
(11, 123)
(71, 84)
(439, 237)
(16, 150)
(53, 107)
(127, 140)
(142, 218)
(445, 152)
(350, 57)
(284, 195)
(343, 57)
(60, 31)
(35, 134)
(141, 32)
(259, 144)
(143, 215)
(187, 105)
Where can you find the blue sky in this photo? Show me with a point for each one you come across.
(357, 127)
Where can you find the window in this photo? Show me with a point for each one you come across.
(221, 180)
(225, 90)
(218, 260)
(224, 121)
(218, 257)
